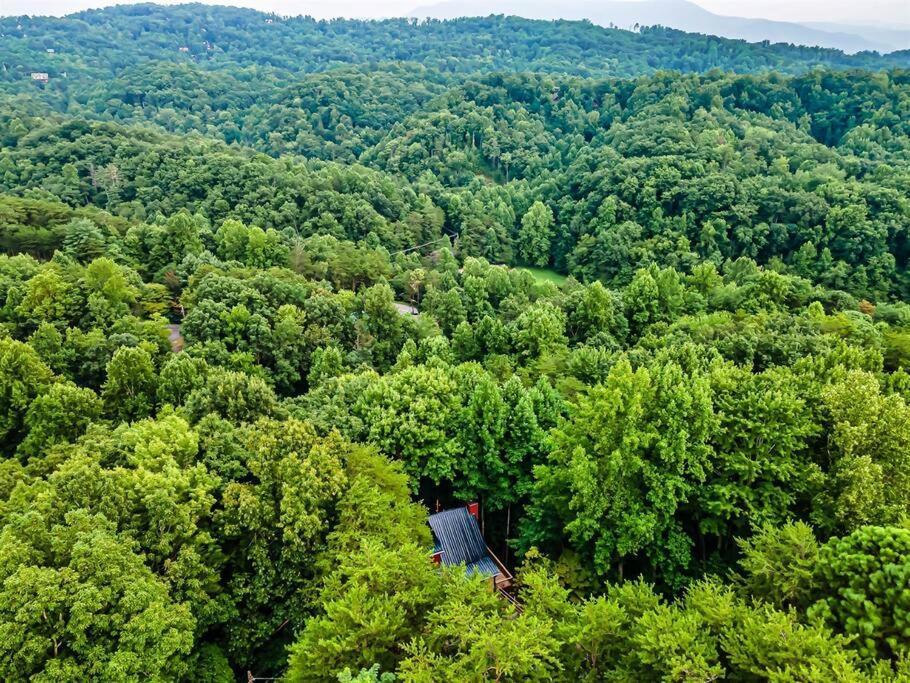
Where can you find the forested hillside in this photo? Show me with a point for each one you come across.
(266, 302)
(101, 43)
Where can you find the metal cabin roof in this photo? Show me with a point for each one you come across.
(457, 535)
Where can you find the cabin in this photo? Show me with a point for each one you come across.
(458, 541)
(183, 48)
(40, 76)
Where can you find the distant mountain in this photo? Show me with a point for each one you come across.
(889, 37)
(678, 14)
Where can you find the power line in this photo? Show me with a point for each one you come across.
(425, 244)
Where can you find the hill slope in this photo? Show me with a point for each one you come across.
(96, 44)
(677, 14)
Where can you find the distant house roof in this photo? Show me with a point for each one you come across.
(458, 537)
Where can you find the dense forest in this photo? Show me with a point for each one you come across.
(269, 300)
(101, 43)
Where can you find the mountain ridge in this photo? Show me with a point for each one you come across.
(684, 16)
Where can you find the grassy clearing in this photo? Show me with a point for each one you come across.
(546, 275)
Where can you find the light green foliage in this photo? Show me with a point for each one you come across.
(232, 238)
(457, 424)
(371, 675)
(326, 362)
(760, 473)
(110, 294)
(80, 605)
(180, 375)
(671, 644)
(472, 636)
(378, 582)
(861, 582)
(523, 438)
(631, 633)
(129, 392)
(373, 601)
(381, 326)
(46, 297)
(251, 246)
(631, 453)
(236, 396)
(412, 415)
(595, 316)
(768, 644)
(23, 377)
(143, 479)
(62, 414)
(446, 307)
(701, 373)
(534, 235)
(289, 341)
(109, 569)
(278, 516)
(778, 564)
(539, 330)
(83, 240)
(482, 430)
(654, 295)
(870, 443)
(376, 505)
(180, 235)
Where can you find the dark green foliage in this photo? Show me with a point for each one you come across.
(121, 38)
(258, 314)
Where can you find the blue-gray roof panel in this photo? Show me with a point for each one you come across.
(457, 534)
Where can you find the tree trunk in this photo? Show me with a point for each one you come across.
(508, 522)
(701, 548)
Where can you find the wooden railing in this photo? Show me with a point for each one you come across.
(503, 593)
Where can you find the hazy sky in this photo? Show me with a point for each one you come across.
(879, 12)
(887, 12)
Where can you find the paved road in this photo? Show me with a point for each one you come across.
(175, 338)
